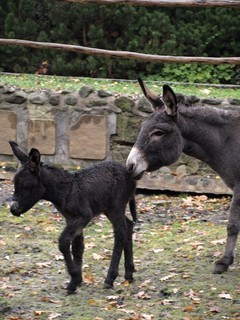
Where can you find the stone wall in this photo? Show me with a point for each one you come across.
(80, 128)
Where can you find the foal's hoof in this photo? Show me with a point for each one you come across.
(107, 285)
(130, 280)
(72, 287)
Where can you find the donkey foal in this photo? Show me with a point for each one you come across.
(103, 188)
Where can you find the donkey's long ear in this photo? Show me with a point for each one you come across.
(154, 99)
(170, 100)
(19, 153)
(34, 159)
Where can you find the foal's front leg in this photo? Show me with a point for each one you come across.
(120, 239)
(233, 228)
(76, 269)
(78, 249)
(73, 233)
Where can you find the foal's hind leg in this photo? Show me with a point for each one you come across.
(233, 228)
(128, 253)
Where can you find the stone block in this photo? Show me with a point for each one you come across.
(127, 128)
(41, 135)
(8, 123)
(88, 137)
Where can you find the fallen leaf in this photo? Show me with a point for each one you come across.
(43, 264)
(126, 283)
(157, 250)
(59, 257)
(88, 278)
(39, 312)
(112, 298)
(171, 275)
(215, 309)
(54, 315)
(217, 254)
(193, 295)
(46, 299)
(196, 244)
(166, 302)
(97, 256)
(143, 295)
(2, 243)
(226, 296)
(189, 309)
(90, 245)
(219, 241)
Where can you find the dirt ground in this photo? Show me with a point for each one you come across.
(175, 245)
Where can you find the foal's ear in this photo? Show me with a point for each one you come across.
(18, 152)
(34, 160)
(154, 99)
(170, 100)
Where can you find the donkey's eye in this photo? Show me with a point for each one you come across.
(157, 133)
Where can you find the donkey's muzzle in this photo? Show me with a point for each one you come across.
(14, 208)
(136, 164)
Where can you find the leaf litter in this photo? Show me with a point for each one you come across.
(175, 246)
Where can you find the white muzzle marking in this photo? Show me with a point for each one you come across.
(136, 163)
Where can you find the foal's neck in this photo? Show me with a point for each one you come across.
(58, 183)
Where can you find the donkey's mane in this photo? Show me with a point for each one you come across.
(212, 115)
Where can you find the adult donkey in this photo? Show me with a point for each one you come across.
(207, 133)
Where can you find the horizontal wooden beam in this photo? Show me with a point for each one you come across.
(165, 3)
(120, 54)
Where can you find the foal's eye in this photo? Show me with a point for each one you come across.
(157, 133)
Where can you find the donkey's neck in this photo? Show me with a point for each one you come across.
(210, 134)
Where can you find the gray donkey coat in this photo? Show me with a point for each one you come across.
(207, 133)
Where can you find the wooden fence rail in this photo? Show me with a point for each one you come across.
(120, 54)
(166, 3)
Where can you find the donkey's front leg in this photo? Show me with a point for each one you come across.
(233, 228)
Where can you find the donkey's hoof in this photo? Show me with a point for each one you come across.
(107, 285)
(222, 264)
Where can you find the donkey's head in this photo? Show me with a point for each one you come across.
(159, 142)
(28, 188)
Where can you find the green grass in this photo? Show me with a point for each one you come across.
(173, 258)
(27, 81)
